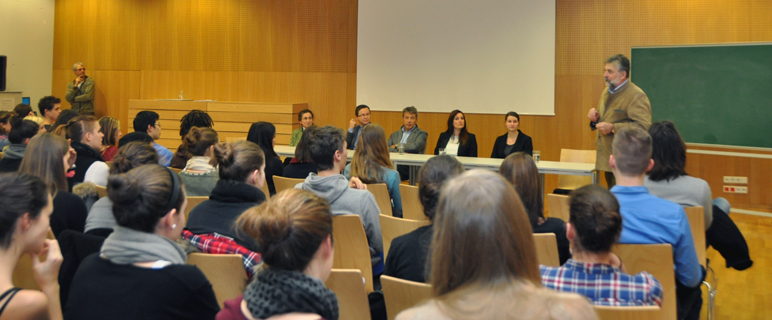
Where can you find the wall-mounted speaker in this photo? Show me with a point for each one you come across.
(3, 63)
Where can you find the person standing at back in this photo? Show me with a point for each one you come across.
(147, 121)
(80, 92)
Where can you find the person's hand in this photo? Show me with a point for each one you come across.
(47, 271)
(593, 115)
(605, 127)
(617, 262)
(352, 123)
(73, 155)
(356, 183)
(80, 79)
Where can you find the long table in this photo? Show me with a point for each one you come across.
(417, 160)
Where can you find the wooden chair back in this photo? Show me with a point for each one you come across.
(696, 216)
(351, 248)
(628, 313)
(411, 203)
(352, 299)
(403, 294)
(265, 190)
(176, 170)
(381, 193)
(282, 183)
(571, 155)
(546, 249)
(192, 203)
(225, 272)
(392, 227)
(101, 191)
(559, 206)
(656, 259)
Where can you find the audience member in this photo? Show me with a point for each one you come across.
(519, 169)
(593, 271)
(194, 118)
(48, 156)
(22, 110)
(300, 166)
(199, 175)
(362, 113)
(294, 230)
(372, 164)
(111, 129)
(5, 128)
(19, 137)
(25, 207)
(100, 220)
(328, 150)
(512, 141)
(408, 253)
(147, 121)
(59, 127)
(306, 120)
(140, 272)
(264, 135)
(37, 120)
(651, 220)
(50, 107)
(483, 261)
(80, 92)
(136, 137)
(86, 139)
(668, 180)
(412, 139)
(456, 140)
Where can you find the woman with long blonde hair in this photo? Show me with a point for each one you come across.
(372, 164)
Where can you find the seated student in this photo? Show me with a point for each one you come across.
(19, 137)
(100, 220)
(86, 139)
(329, 151)
(372, 164)
(519, 169)
(147, 122)
(37, 120)
(25, 207)
(48, 156)
(651, 220)
(264, 135)
(242, 174)
(22, 110)
(300, 166)
(410, 136)
(408, 253)
(199, 175)
(668, 180)
(306, 120)
(457, 141)
(593, 271)
(59, 127)
(50, 108)
(5, 128)
(294, 230)
(194, 118)
(111, 129)
(512, 141)
(140, 272)
(483, 261)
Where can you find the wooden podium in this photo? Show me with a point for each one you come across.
(231, 119)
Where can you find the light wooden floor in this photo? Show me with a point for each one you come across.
(745, 294)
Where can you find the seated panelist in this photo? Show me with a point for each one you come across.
(512, 141)
(457, 141)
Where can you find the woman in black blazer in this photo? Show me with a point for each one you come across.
(457, 134)
(512, 141)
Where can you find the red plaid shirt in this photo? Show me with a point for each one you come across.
(218, 244)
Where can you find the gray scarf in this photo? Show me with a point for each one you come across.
(127, 246)
(15, 151)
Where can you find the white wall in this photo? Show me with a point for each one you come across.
(27, 39)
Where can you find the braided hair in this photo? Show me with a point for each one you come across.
(195, 118)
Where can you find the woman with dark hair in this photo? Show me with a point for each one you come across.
(194, 118)
(5, 128)
(668, 180)
(59, 127)
(199, 175)
(408, 253)
(49, 157)
(301, 165)
(100, 220)
(25, 209)
(19, 137)
(519, 169)
(457, 141)
(264, 135)
(372, 164)
(306, 120)
(294, 231)
(86, 138)
(483, 259)
(140, 272)
(512, 141)
(111, 129)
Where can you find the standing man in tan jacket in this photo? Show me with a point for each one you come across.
(622, 105)
(80, 92)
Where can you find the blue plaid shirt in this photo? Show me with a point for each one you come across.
(603, 284)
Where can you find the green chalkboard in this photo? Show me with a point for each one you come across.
(718, 94)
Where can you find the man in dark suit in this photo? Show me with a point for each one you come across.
(412, 137)
(355, 126)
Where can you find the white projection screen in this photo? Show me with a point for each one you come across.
(487, 56)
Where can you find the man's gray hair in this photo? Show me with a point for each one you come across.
(75, 66)
(632, 149)
(622, 62)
